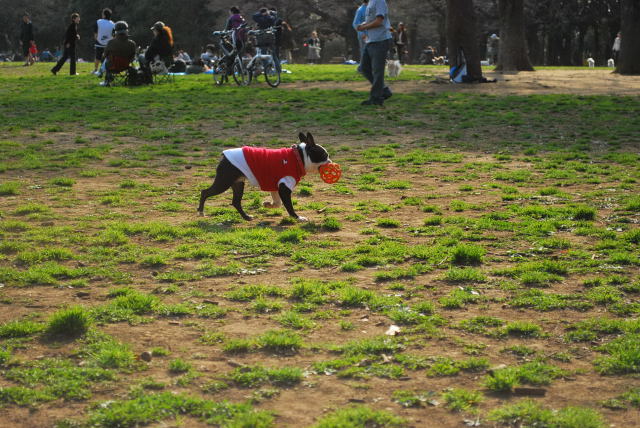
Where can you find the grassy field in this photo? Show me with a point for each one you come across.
(478, 262)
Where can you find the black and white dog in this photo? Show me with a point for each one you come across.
(273, 170)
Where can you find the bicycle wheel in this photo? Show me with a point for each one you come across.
(240, 74)
(271, 75)
(219, 73)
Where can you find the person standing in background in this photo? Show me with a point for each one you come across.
(374, 59)
(313, 46)
(26, 37)
(70, 39)
(615, 50)
(286, 39)
(357, 20)
(102, 33)
(402, 43)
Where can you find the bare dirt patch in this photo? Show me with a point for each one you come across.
(575, 82)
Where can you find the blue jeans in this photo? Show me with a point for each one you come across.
(361, 45)
(374, 59)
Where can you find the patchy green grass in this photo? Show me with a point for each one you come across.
(506, 234)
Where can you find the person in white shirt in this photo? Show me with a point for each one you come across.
(616, 47)
(103, 33)
(184, 56)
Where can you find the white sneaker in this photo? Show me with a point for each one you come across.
(103, 83)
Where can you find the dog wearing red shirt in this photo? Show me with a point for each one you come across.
(273, 170)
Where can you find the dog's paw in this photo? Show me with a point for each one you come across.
(201, 213)
(302, 219)
(268, 204)
(247, 217)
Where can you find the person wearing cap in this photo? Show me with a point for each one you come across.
(161, 45)
(119, 46)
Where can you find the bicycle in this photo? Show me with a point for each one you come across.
(264, 62)
(231, 61)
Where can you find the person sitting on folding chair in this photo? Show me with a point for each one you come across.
(161, 48)
(119, 53)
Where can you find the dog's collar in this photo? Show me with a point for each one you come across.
(300, 164)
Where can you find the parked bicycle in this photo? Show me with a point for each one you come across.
(263, 62)
(231, 61)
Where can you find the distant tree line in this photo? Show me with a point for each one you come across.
(556, 32)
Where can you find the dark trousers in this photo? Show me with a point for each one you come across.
(401, 55)
(276, 57)
(374, 59)
(69, 53)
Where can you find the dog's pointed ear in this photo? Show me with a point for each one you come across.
(310, 140)
(302, 137)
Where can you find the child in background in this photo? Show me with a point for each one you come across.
(33, 53)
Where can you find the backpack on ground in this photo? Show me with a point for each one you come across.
(458, 73)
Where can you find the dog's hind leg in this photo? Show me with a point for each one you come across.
(276, 201)
(238, 191)
(226, 175)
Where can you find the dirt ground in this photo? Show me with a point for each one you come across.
(302, 405)
(577, 82)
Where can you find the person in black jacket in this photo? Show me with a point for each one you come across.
(70, 39)
(161, 44)
(26, 37)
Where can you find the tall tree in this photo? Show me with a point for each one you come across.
(461, 33)
(512, 55)
(629, 60)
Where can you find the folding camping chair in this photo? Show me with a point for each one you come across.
(117, 70)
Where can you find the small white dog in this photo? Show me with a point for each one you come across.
(611, 63)
(591, 62)
(394, 68)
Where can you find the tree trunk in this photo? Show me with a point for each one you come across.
(512, 54)
(535, 41)
(461, 33)
(414, 49)
(629, 58)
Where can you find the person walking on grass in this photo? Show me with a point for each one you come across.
(377, 25)
(102, 33)
(26, 37)
(70, 39)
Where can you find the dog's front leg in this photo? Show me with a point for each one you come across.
(285, 195)
(275, 197)
(238, 191)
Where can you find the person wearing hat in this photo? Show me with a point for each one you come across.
(161, 45)
(119, 46)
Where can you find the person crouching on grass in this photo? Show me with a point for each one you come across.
(70, 39)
